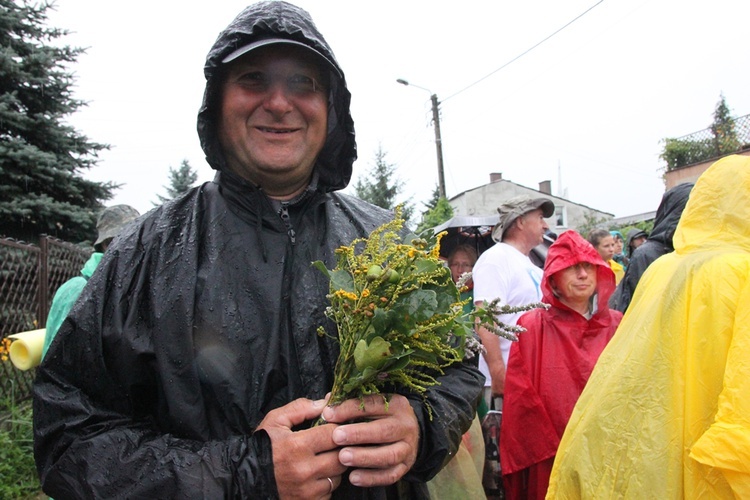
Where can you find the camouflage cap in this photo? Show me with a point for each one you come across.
(112, 220)
(516, 207)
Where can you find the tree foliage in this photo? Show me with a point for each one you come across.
(591, 221)
(434, 199)
(646, 226)
(720, 139)
(438, 211)
(723, 130)
(181, 180)
(41, 157)
(381, 186)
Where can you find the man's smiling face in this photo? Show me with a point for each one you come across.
(273, 120)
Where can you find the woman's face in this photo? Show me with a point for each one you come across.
(618, 246)
(606, 248)
(459, 263)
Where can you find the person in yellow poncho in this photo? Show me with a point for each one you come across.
(666, 412)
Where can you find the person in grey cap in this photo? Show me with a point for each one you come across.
(505, 271)
(199, 333)
(110, 222)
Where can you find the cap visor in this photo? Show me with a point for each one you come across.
(275, 41)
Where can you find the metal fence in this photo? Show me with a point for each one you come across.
(739, 132)
(708, 144)
(29, 277)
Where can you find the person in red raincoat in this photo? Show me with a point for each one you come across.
(549, 366)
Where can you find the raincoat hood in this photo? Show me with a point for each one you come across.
(669, 212)
(717, 218)
(266, 20)
(569, 249)
(657, 244)
(632, 235)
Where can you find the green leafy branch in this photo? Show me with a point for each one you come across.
(399, 315)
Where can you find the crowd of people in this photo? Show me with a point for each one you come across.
(666, 412)
(198, 327)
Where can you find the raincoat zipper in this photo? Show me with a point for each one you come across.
(284, 214)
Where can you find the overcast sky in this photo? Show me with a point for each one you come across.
(587, 109)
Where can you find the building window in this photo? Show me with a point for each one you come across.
(560, 217)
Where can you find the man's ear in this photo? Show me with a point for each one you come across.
(553, 285)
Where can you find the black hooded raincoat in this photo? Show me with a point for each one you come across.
(657, 244)
(202, 318)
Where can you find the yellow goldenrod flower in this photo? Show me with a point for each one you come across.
(435, 252)
(345, 295)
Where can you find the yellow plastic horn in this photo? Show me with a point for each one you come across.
(26, 350)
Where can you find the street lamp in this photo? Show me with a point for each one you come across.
(438, 140)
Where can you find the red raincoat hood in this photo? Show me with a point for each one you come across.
(569, 249)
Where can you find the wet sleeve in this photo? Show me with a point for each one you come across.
(726, 443)
(88, 444)
(453, 407)
(91, 441)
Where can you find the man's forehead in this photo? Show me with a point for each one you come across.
(534, 213)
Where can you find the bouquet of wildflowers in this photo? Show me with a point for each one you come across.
(399, 315)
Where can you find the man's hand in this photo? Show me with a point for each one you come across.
(305, 460)
(383, 448)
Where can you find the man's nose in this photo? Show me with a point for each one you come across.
(277, 98)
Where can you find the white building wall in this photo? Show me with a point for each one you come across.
(484, 200)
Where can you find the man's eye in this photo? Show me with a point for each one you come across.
(254, 79)
(302, 83)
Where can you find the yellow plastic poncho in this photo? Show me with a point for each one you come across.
(666, 412)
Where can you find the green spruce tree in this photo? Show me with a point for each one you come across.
(725, 135)
(41, 158)
(438, 211)
(181, 180)
(381, 186)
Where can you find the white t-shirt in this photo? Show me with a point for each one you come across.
(505, 273)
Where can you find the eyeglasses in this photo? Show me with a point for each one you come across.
(585, 266)
(297, 84)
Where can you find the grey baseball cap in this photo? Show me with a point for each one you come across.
(279, 41)
(516, 207)
(112, 220)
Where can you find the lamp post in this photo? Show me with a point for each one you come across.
(438, 140)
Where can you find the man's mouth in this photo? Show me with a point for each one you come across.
(277, 130)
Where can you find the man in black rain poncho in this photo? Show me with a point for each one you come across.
(191, 367)
(658, 243)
